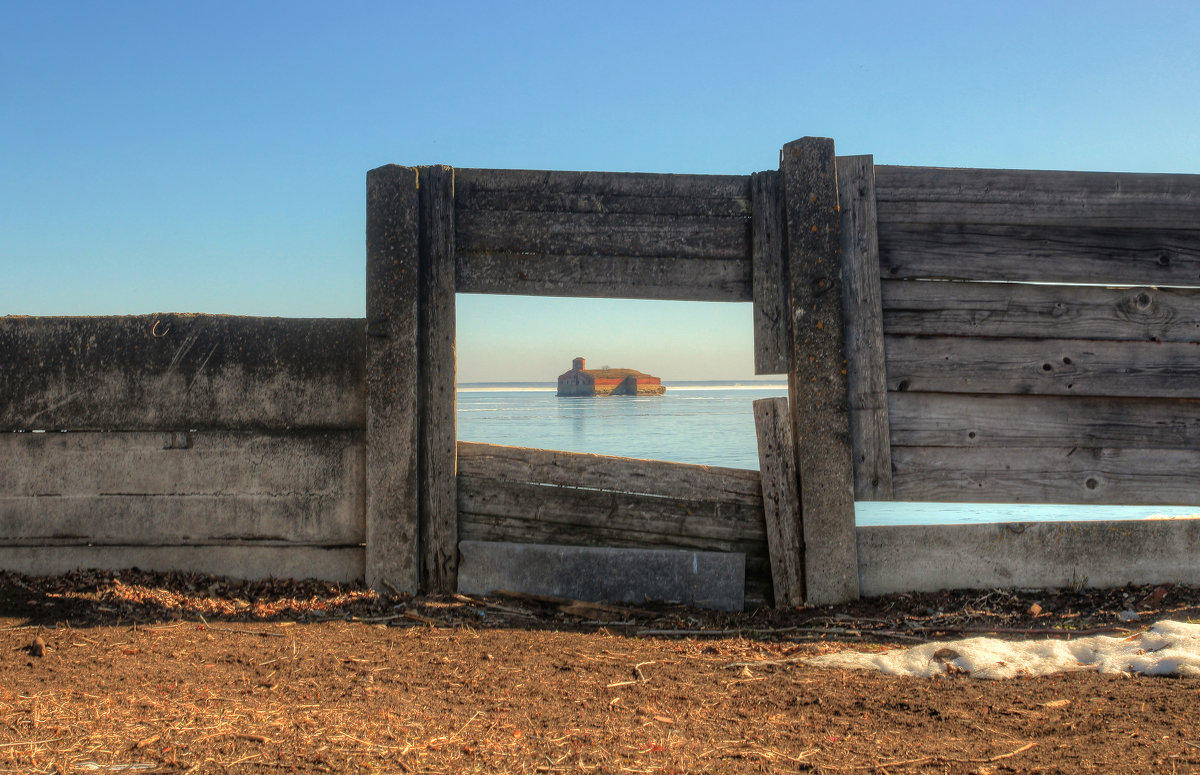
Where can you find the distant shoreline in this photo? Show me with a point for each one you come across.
(722, 384)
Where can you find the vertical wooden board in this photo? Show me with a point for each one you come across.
(869, 432)
(781, 500)
(817, 371)
(391, 466)
(437, 428)
(767, 264)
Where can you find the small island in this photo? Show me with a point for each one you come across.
(580, 381)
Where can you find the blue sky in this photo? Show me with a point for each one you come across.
(211, 157)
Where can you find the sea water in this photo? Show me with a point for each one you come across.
(708, 423)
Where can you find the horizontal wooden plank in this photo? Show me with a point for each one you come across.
(612, 474)
(343, 564)
(602, 234)
(688, 524)
(1043, 367)
(968, 251)
(182, 488)
(1022, 310)
(470, 185)
(177, 371)
(1029, 197)
(957, 420)
(673, 279)
(928, 558)
(584, 202)
(1047, 475)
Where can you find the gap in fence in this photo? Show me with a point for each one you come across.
(512, 349)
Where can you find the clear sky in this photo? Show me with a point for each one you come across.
(211, 156)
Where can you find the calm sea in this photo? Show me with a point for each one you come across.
(709, 423)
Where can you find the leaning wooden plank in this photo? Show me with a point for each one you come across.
(572, 508)
(344, 564)
(601, 234)
(613, 474)
(182, 488)
(672, 279)
(1037, 197)
(1063, 254)
(781, 500)
(929, 558)
(647, 185)
(817, 372)
(771, 326)
(867, 382)
(1043, 366)
(437, 427)
(180, 371)
(1021, 310)
(1135, 476)
(957, 420)
(391, 376)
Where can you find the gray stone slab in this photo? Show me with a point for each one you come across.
(714, 580)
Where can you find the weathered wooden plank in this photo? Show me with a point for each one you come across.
(866, 380)
(957, 420)
(1020, 310)
(967, 251)
(928, 558)
(612, 474)
(1038, 197)
(181, 371)
(601, 234)
(472, 183)
(781, 500)
(673, 279)
(182, 488)
(392, 524)
(540, 201)
(343, 564)
(437, 423)
(771, 326)
(531, 513)
(817, 371)
(1047, 475)
(1043, 367)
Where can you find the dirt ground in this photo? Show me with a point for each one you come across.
(137, 672)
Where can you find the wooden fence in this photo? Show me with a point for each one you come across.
(948, 335)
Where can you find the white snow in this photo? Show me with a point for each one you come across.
(1167, 648)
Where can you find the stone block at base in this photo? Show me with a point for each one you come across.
(713, 580)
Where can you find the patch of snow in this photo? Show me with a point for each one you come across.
(1167, 648)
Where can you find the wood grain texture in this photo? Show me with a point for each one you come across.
(673, 279)
(956, 420)
(182, 488)
(638, 235)
(817, 372)
(532, 513)
(613, 474)
(437, 426)
(771, 319)
(474, 183)
(180, 371)
(1036, 197)
(866, 378)
(1042, 555)
(781, 500)
(1047, 475)
(1037, 311)
(344, 564)
(1043, 367)
(392, 525)
(1065, 254)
